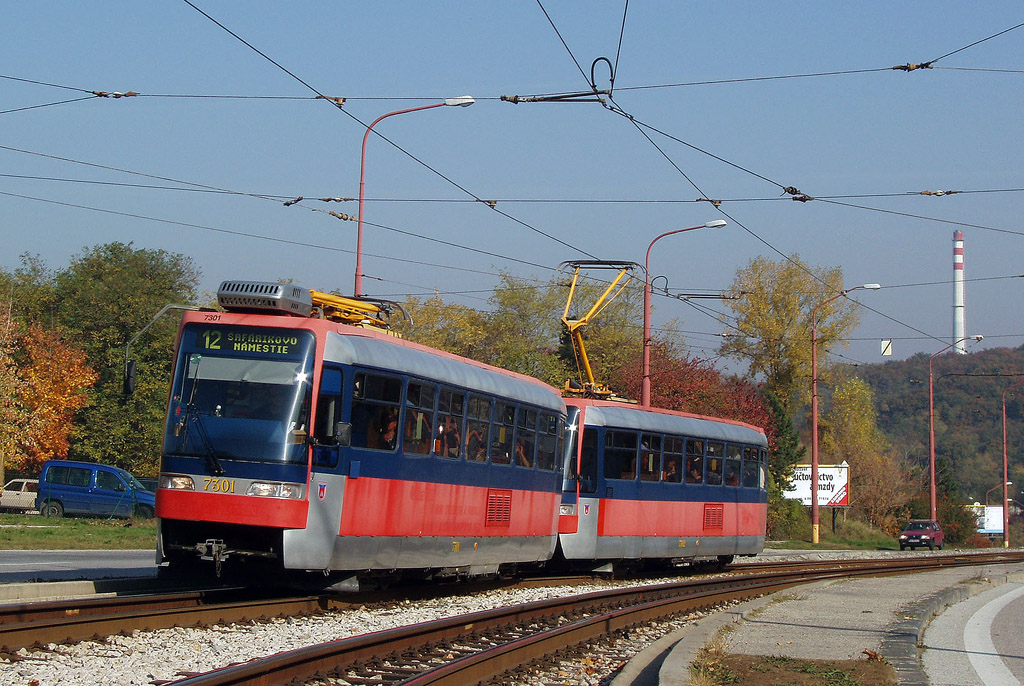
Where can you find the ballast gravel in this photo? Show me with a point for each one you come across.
(168, 654)
(144, 657)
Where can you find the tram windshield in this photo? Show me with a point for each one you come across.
(241, 393)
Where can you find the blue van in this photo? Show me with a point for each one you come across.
(86, 488)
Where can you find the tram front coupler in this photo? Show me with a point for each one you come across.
(213, 549)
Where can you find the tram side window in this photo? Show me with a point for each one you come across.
(547, 440)
(501, 438)
(419, 417)
(478, 426)
(451, 408)
(673, 468)
(526, 437)
(694, 461)
(650, 457)
(376, 401)
(732, 464)
(620, 455)
(750, 467)
(713, 463)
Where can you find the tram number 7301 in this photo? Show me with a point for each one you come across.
(219, 485)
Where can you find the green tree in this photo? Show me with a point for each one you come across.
(773, 304)
(453, 328)
(106, 296)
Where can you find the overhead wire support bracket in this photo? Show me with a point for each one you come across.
(579, 96)
(115, 94)
(912, 67)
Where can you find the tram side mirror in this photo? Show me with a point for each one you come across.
(343, 434)
(129, 378)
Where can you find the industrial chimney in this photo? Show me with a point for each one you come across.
(959, 325)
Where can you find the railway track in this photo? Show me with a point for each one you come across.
(480, 647)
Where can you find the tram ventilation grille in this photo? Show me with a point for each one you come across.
(499, 507)
(714, 516)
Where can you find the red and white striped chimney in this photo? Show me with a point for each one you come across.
(959, 323)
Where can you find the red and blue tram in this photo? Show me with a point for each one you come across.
(649, 486)
(317, 446)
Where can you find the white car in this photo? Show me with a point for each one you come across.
(19, 495)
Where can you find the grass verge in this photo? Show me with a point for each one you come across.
(32, 532)
(715, 666)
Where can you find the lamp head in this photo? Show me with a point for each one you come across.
(715, 224)
(976, 337)
(461, 101)
(872, 286)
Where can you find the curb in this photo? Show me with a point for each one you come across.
(902, 643)
(667, 660)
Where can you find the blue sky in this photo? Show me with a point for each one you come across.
(733, 134)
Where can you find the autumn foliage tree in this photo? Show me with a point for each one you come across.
(56, 380)
(773, 304)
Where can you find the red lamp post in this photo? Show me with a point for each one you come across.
(814, 404)
(462, 101)
(931, 421)
(645, 382)
(1006, 475)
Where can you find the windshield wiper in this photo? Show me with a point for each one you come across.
(192, 416)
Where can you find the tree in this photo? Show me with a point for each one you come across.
(774, 302)
(107, 295)
(56, 379)
(12, 414)
(457, 329)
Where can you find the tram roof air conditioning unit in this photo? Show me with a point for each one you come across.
(262, 296)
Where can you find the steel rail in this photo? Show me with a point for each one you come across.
(646, 604)
(64, 623)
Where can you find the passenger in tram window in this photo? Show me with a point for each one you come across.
(694, 469)
(476, 442)
(671, 470)
(389, 436)
(382, 431)
(731, 477)
(524, 454)
(451, 439)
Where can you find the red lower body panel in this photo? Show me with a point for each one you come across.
(234, 509)
(383, 507)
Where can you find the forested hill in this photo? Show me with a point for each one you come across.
(968, 413)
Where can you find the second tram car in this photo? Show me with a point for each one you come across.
(645, 486)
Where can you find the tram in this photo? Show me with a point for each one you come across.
(302, 436)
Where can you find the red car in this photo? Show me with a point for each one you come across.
(922, 532)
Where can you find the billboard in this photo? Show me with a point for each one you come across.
(833, 485)
(993, 521)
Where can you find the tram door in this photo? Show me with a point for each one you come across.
(312, 548)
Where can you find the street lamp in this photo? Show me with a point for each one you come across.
(462, 101)
(1006, 475)
(645, 383)
(931, 421)
(1002, 486)
(814, 402)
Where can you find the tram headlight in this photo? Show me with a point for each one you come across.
(275, 489)
(566, 509)
(178, 482)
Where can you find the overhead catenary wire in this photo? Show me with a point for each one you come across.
(616, 61)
